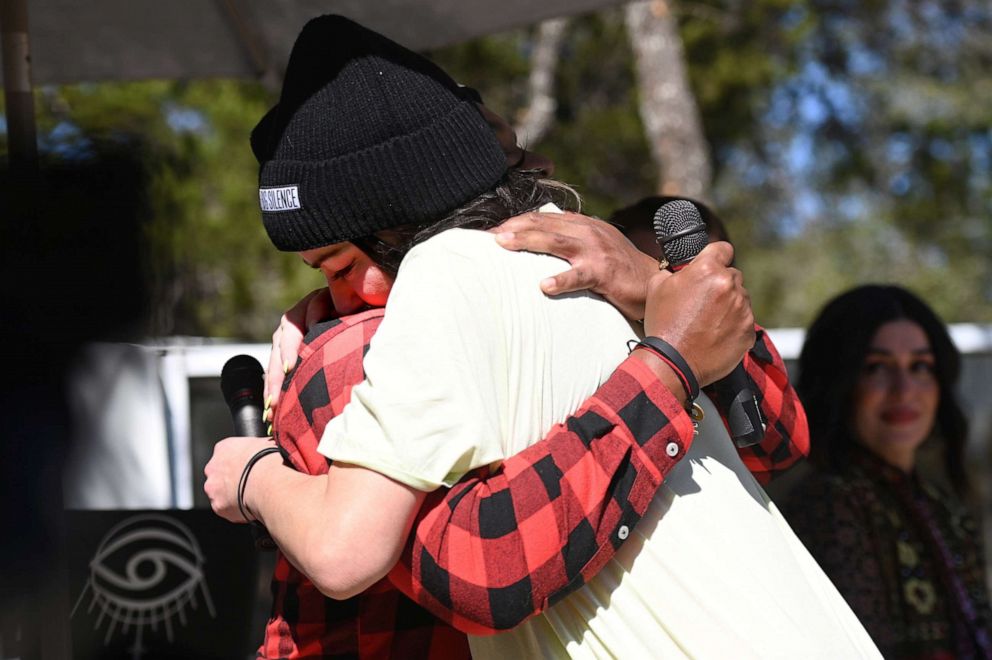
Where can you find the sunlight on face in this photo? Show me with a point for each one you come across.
(354, 280)
(896, 396)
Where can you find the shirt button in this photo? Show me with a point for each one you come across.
(672, 449)
(623, 532)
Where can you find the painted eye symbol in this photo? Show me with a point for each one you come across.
(146, 571)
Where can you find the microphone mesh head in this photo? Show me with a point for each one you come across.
(680, 231)
(242, 376)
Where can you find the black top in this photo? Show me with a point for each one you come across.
(905, 555)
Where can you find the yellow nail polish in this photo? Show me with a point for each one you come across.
(268, 401)
(269, 431)
(285, 367)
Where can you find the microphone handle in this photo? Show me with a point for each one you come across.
(740, 405)
(248, 423)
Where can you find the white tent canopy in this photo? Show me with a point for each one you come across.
(66, 41)
(74, 41)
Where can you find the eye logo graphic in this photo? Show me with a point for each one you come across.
(147, 571)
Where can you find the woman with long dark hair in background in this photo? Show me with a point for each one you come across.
(877, 377)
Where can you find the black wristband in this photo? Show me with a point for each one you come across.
(259, 455)
(668, 353)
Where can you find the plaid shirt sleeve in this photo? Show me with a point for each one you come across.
(379, 622)
(498, 548)
(787, 434)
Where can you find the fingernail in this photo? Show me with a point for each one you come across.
(267, 415)
(269, 431)
(504, 237)
(548, 284)
(268, 401)
(285, 367)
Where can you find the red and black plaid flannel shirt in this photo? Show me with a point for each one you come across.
(496, 549)
(380, 622)
(500, 547)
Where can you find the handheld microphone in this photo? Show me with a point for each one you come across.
(242, 383)
(681, 233)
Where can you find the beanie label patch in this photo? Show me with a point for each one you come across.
(285, 198)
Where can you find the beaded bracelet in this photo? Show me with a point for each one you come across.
(673, 359)
(259, 455)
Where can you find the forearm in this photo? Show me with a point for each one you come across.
(323, 524)
(288, 504)
(555, 513)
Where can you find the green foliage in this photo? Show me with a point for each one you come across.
(496, 66)
(211, 269)
(850, 143)
(597, 140)
(898, 173)
(825, 261)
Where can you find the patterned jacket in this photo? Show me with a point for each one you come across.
(918, 582)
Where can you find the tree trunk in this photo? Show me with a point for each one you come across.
(668, 107)
(536, 119)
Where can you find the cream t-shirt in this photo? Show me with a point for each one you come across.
(473, 363)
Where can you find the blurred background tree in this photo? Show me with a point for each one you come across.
(209, 266)
(844, 142)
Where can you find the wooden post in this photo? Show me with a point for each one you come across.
(17, 89)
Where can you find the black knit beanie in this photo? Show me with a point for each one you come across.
(367, 135)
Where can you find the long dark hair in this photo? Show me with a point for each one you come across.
(836, 346)
(517, 192)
